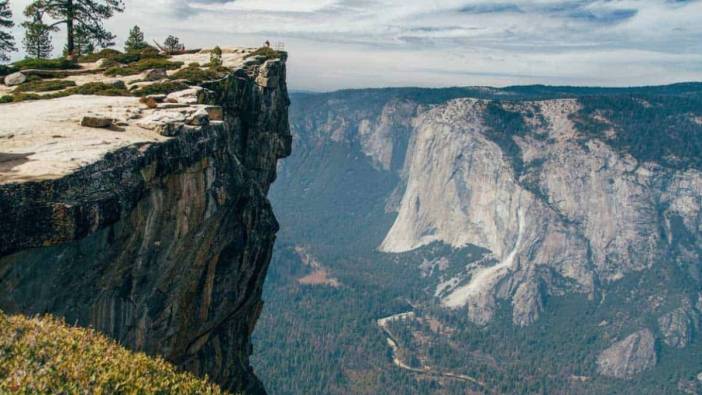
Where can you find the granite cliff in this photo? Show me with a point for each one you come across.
(157, 232)
(550, 231)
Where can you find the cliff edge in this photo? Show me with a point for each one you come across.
(155, 230)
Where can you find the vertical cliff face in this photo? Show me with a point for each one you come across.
(162, 245)
(561, 225)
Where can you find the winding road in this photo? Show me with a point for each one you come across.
(394, 345)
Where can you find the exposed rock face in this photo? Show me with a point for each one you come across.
(629, 357)
(677, 326)
(563, 206)
(165, 245)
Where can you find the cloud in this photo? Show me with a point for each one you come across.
(357, 43)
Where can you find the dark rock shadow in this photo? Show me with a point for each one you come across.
(9, 161)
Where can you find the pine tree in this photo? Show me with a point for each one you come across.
(135, 41)
(7, 42)
(84, 44)
(83, 20)
(173, 45)
(37, 37)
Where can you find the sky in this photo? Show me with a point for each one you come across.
(335, 44)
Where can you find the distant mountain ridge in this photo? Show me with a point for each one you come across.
(591, 194)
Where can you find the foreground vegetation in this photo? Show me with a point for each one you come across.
(44, 355)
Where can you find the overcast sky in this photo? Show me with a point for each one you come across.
(371, 43)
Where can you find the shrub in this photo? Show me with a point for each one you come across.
(44, 86)
(117, 88)
(150, 52)
(45, 355)
(196, 75)
(216, 58)
(143, 65)
(106, 53)
(124, 58)
(6, 70)
(18, 97)
(160, 88)
(46, 64)
(267, 53)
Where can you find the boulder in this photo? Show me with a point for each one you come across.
(629, 357)
(155, 75)
(94, 121)
(15, 79)
(186, 96)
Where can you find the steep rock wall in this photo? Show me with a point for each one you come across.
(162, 246)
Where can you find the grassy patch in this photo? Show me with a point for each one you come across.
(93, 89)
(100, 89)
(44, 355)
(267, 53)
(44, 86)
(160, 88)
(196, 75)
(46, 64)
(143, 65)
(121, 57)
(106, 53)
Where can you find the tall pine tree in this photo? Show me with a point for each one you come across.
(135, 41)
(83, 19)
(7, 42)
(37, 37)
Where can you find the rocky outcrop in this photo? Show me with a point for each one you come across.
(560, 211)
(629, 357)
(162, 245)
(677, 326)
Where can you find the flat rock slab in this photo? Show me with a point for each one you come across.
(41, 140)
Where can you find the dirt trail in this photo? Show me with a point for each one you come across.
(394, 345)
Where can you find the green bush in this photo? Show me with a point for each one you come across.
(44, 86)
(18, 97)
(117, 88)
(195, 75)
(143, 65)
(160, 88)
(106, 53)
(45, 355)
(46, 64)
(216, 58)
(6, 70)
(267, 53)
(121, 57)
